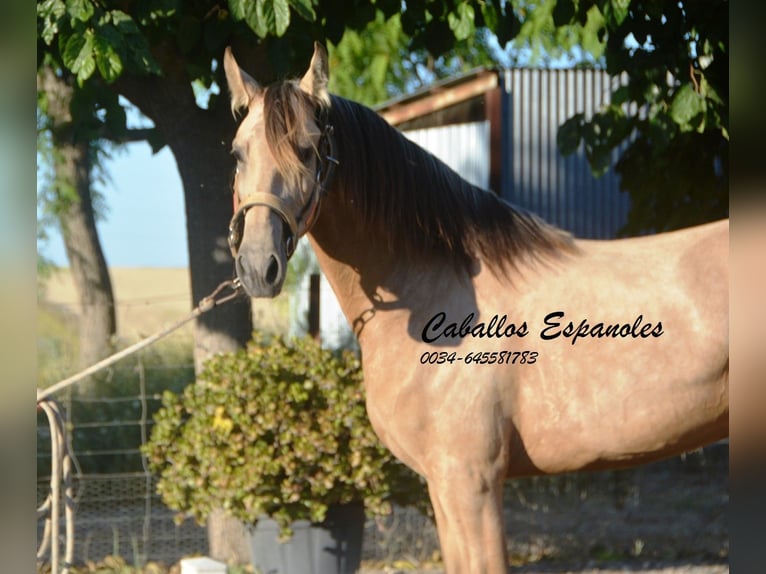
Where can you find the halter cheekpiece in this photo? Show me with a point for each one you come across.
(295, 227)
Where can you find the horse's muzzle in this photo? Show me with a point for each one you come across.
(261, 274)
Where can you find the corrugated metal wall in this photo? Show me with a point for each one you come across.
(463, 147)
(535, 175)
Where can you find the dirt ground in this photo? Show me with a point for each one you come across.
(612, 569)
(665, 518)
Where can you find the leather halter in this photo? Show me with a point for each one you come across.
(310, 212)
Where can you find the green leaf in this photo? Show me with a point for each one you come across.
(490, 15)
(281, 16)
(593, 32)
(134, 48)
(160, 9)
(123, 22)
(600, 159)
(237, 9)
(709, 92)
(51, 8)
(378, 68)
(615, 12)
(461, 21)
(569, 135)
(86, 70)
(264, 16)
(687, 105)
(70, 48)
(304, 9)
(142, 58)
(252, 12)
(78, 55)
(49, 32)
(80, 9)
(50, 11)
(108, 60)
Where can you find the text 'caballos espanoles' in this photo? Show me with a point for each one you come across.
(554, 325)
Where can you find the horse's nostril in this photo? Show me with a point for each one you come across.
(272, 271)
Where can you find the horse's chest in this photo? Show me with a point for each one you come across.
(418, 410)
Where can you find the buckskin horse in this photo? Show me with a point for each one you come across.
(494, 345)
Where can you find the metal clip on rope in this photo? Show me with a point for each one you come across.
(207, 303)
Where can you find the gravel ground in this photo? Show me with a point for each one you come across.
(588, 569)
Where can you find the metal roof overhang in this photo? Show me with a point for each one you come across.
(438, 96)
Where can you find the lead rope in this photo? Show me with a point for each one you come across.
(205, 305)
(61, 454)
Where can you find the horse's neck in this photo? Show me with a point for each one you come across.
(349, 273)
(366, 278)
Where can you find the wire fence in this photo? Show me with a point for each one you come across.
(117, 509)
(674, 508)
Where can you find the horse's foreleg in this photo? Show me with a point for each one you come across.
(469, 518)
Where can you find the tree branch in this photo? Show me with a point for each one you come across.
(131, 135)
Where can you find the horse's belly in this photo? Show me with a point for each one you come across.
(609, 428)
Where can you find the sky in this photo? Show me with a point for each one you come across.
(145, 223)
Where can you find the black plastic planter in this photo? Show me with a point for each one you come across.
(331, 547)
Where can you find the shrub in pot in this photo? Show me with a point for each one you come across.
(276, 430)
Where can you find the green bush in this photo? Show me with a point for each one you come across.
(277, 429)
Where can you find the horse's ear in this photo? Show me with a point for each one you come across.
(315, 80)
(242, 86)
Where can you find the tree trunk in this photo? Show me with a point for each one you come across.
(74, 209)
(200, 141)
(98, 324)
(202, 155)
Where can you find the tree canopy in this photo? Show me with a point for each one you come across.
(670, 116)
(672, 106)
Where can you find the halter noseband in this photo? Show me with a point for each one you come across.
(324, 171)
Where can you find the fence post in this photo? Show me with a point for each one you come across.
(313, 313)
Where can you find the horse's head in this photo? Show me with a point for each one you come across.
(284, 153)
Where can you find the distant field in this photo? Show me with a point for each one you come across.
(149, 299)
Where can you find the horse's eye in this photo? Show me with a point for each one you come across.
(237, 154)
(306, 153)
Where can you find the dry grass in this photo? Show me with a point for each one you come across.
(149, 299)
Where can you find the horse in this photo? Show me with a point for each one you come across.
(494, 345)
